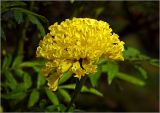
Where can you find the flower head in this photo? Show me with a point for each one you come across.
(76, 46)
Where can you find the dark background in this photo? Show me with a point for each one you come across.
(136, 23)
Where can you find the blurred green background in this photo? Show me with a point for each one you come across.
(23, 25)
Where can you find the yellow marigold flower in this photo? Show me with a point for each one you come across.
(76, 46)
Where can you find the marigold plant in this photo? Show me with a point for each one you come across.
(76, 46)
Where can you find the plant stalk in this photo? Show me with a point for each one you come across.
(22, 39)
(78, 88)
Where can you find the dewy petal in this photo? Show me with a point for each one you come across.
(76, 45)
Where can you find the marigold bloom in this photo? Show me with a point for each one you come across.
(76, 46)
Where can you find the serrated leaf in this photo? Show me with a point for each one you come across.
(33, 99)
(27, 81)
(142, 71)
(10, 80)
(65, 77)
(17, 61)
(112, 69)
(40, 80)
(131, 53)
(65, 95)
(35, 20)
(95, 77)
(130, 79)
(52, 96)
(18, 16)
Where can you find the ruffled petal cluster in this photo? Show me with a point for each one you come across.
(76, 46)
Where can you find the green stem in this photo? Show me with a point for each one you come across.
(22, 39)
(78, 88)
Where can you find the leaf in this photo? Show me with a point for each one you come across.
(96, 92)
(34, 20)
(42, 103)
(91, 90)
(52, 96)
(51, 108)
(31, 64)
(27, 12)
(102, 61)
(33, 99)
(95, 77)
(130, 79)
(84, 89)
(61, 108)
(131, 53)
(112, 69)
(27, 81)
(65, 77)
(37, 68)
(142, 71)
(19, 72)
(68, 86)
(17, 61)
(18, 16)
(6, 5)
(154, 62)
(65, 95)
(10, 80)
(72, 109)
(12, 4)
(40, 80)
(14, 95)
(20, 87)
(6, 63)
